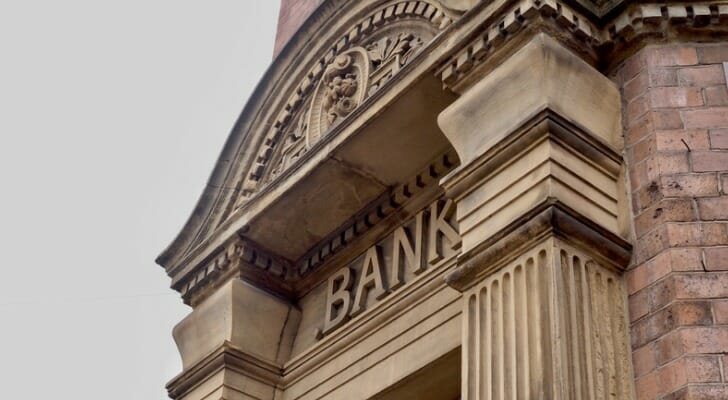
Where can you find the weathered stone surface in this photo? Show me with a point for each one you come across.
(242, 316)
(422, 184)
(542, 75)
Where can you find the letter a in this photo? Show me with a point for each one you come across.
(371, 277)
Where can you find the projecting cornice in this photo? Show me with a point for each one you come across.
(375, 78)
(604, 42)
(313, 99)
(272, 131)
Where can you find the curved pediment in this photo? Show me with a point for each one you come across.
(310, 89)
(355, 68)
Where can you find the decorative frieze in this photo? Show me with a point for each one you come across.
(641, 19)
(242, 258)
(494, 34)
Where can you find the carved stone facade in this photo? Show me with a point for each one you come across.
(463, 199)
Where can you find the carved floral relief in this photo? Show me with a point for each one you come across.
(341, 89)
(389, 54)
(349, 78)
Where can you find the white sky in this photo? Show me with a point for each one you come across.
(112, 114)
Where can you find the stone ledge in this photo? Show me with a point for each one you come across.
(551, 218)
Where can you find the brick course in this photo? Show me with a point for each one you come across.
(676, 150)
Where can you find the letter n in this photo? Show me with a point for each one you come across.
(412, 254)
(439, 224)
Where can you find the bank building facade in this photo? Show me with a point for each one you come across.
(463, 199)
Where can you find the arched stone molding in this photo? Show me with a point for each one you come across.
(378, 45)
(264, 141)
(529, 152)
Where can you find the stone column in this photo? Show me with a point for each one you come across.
(539, 197)
(233, 345)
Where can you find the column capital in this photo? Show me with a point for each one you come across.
(543, 127)
(236, 341)
(540, 202)
(552, 218)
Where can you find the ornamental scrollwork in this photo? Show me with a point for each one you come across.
(389, 54)
(347, 81)
(370, 56)
(341, 86)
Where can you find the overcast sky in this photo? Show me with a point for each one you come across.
(112, 114)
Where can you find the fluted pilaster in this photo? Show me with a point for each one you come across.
(540, 201)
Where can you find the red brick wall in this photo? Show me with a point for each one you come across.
(676, 137)
(292, 14)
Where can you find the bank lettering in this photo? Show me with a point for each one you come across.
(407, 252)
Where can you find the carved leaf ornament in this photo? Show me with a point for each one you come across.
(341, 90)
(384, 42)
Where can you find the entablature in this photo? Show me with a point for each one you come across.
(603, 39)
(298, 203)
(340, 124)
(245, 259)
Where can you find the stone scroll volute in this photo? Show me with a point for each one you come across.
(341, 89)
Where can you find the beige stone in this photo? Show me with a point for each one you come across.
(543, 75)
(424, 199)
(535, 146)
(241, 316)
(550, 324)
(543, 317)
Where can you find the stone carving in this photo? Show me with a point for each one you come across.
(354, 68)
(553, 306)
(341, 90)
(340, 87)
(293, 147)
(387, 48)
(388, 55)
(347, 81)
(631, 25)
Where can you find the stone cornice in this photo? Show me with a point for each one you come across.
(551, 218)
(227, 357)
(241, 258)
(271, 107)
(378, 211)
(499, 28)
(641, 24)
(602, 42)
(467, 46)
(544, 124)
(387, 13)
